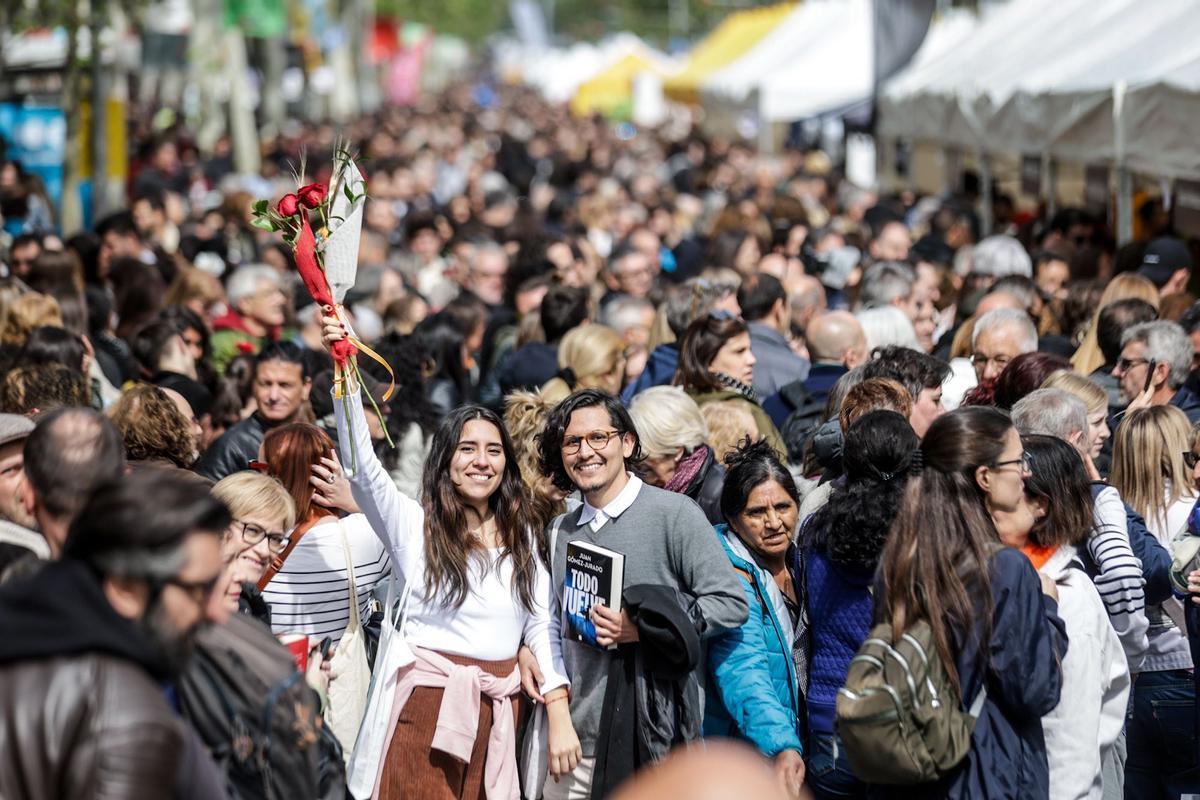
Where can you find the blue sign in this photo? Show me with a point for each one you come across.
(36, 137)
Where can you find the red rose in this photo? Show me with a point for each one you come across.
(289, 205)
(245, 347)
(313, 194)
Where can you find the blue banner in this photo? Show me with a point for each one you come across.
(36, 137)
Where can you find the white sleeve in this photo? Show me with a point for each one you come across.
(542, 634)
(1073, 728)
(397, 520)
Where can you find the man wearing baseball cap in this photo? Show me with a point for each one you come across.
(18, 539)
(1167, 264)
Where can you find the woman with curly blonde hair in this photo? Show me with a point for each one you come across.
(153, 427)
(525, 416)
(29, 311)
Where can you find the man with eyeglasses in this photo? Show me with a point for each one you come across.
(1156, 358)
(1000, 336)
(90, 645)
(590, 445)
(255, 316)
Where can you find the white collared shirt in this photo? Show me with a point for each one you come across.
(596, 517)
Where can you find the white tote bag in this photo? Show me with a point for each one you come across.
(350, 668)
(392, 656)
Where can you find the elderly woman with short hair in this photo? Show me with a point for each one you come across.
(675, 437)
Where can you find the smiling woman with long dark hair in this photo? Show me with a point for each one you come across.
(475, 591)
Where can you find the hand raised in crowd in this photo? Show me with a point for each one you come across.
(332, 328)
(613, 627)
(1143, 400)
(789, 766)
(331, 488)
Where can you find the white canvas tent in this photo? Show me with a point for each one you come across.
(833, 72)
(1084, 80)
(817, 60)
(559, 71)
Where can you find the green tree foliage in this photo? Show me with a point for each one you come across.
(586, 20)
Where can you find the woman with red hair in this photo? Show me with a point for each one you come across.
(307, 586)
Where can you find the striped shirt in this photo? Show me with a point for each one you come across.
(1118, 577)
(310, 594)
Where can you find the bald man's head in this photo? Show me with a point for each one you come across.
(836, 337)
(71, 452)
(806, 299)
(712, 770)
(998, 300)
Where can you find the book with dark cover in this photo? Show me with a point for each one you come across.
(594, 575)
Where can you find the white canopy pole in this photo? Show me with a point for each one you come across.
(985, 193)
(1124, 179)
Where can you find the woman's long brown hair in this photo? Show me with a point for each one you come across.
(448, 548)
(702, 341)
(935, 563)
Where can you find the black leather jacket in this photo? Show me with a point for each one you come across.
(234, 451)
(82, 709)
(706, 488)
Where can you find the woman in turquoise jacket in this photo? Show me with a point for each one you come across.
(752, 689)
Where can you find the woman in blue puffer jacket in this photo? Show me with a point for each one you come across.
(752, 689)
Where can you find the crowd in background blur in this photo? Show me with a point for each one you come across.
(513, 255)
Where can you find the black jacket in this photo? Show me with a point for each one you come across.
(653, 700)
(234, 451)
(1020, 668)
(82, 709)
(706, 488)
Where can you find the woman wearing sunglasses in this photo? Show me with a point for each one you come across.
(239, 669)
(1149, 470)
(716, 364)
(466, 555)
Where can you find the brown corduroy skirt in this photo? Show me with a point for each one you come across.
(413, 770)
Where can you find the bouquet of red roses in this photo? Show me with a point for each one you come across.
(323, 225)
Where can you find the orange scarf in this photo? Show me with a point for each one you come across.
(1038, 555)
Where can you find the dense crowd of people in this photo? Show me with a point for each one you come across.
(908, 510)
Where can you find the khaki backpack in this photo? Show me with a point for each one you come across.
(898, 716)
